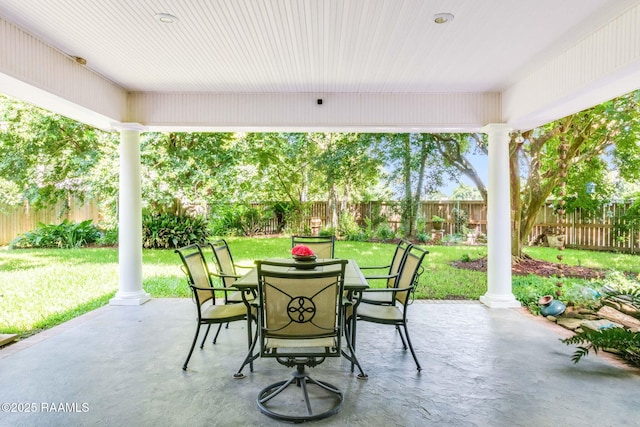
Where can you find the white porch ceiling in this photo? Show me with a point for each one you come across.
(379, 63)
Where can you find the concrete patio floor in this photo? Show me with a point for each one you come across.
(121, 366)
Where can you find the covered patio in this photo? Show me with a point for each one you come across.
(495, 67)
(354, 66)
(481, 367)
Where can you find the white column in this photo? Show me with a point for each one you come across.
(130, 291)
(499, 293)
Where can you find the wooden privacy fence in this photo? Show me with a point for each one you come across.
(582, 231)
(589, 230)
(14, 221)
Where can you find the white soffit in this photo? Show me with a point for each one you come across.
(386, 61)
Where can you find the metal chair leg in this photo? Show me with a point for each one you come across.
(193, 345)
(205, 336)
(413, 353)
(217, 333)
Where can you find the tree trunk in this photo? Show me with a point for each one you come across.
(407, 211)
(514, 179)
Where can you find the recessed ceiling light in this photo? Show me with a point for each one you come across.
(442, 18)
(165, 18)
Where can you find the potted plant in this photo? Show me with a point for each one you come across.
(437, 222)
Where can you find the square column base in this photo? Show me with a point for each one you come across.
(500, 301)
(138, 298)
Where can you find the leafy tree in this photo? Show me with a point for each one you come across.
(454, 149)
(465, 192)
(582, 139)
(187, 170)
(46, 156)
(416, 170)
(346, 168)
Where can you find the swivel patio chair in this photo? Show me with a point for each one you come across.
(322, 246)
(203, 292)
(300, 325)
(391, 276)
(396, 314)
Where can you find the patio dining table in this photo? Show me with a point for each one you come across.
(354, 285)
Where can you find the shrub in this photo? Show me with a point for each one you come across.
(327, 231)
(225, 221)
(384, 232)
(167, 230)
(65, 235)
(529, 289)
(241, 219)
(617, 287)
(108, 237)
(349, 228)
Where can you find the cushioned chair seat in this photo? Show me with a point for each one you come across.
(380, 312)
(321, 343)
(378, 297)
(226, 311)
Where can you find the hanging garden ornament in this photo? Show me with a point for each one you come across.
(562, 193)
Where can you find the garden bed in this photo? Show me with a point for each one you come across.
(537, 267)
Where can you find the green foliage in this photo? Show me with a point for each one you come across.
(437, 218)
(461, 219)
(625, 343)
(190, 167)
(108, 237)
(593, 170)
(465, 192)
(65, 235)
(576, 292)
(168, 230)
(327, 231)
(622, 287)
(239, 219)
(349, 228)
(617, 287)
(629, 220)
(590, 141)
(49, 156)
(465, 258)
(384, 232)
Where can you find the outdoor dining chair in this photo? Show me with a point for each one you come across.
(300, 325)
(203, 292)
(226, 269)
(227, 273)
(322, 246)
(391, 276)
(396, 314)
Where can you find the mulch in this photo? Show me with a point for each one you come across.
(526, 266)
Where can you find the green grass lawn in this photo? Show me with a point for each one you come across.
(41, 288)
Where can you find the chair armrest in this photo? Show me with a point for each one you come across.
(394, 290)
(222, 275)
(244, 267)
(375, 267)
(229, 289)
(386, 276)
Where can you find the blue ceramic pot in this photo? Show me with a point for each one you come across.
(553, 307)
